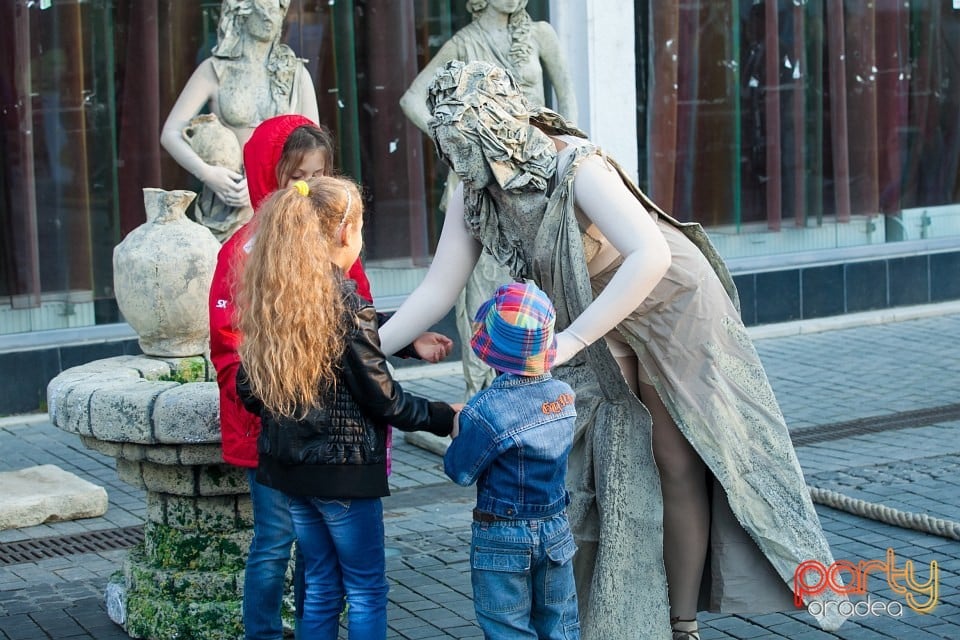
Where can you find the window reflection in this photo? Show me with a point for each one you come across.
(845, 135)
(836, 119)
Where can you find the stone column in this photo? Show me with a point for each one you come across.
(598, 38)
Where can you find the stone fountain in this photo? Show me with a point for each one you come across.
(158, 415)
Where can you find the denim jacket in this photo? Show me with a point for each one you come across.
(514, 441)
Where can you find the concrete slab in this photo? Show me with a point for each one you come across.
(47, 493)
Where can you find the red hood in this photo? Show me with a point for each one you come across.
(262, 153)
(260, 157)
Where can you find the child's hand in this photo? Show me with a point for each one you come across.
(456, 420)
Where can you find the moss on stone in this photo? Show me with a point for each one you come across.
(192, 369)
(169, 547)
(150, 617)
(186, 584)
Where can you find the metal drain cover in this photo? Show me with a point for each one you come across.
(54, 547)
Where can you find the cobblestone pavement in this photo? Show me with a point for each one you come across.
(853, 398)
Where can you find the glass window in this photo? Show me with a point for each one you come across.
(87, 86)
(788, 126)
(58, 179)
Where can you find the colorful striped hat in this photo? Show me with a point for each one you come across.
(513, 330)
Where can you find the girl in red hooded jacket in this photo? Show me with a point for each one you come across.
(280, 151)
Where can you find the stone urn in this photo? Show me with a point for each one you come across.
(214, 142)
(217, 145)
(161, 274)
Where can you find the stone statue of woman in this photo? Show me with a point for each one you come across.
(249, 77)
(501, 33)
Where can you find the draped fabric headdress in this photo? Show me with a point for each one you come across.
(485, 104)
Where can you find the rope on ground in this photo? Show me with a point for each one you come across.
(882, 513)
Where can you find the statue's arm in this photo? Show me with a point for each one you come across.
(414, 100)
(199, 90)
(457, 254)
(308, 96)
(554, 63)
(202, 86)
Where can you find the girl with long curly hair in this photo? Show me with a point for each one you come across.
(281, 151)
(312, 369)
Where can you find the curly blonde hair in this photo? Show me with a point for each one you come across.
(290, 307)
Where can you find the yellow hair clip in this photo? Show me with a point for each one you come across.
(302, 187)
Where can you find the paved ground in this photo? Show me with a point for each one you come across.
(874, 410)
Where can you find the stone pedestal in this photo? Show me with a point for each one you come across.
(160, 419)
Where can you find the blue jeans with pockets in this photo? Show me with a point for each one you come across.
(343, 558)
(522, 574)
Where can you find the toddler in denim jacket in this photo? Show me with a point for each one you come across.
(514, 439)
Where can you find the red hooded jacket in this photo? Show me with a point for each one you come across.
(238, 427)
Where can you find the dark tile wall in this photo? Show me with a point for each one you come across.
(778, 296)
(944, 276)
(818, 290)
(25, 378)
(866, 286)
(909, 280)
(821, 291)
(84, 353)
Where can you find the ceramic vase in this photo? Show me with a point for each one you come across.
(161, 274)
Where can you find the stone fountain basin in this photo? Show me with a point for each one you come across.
(126, 399)
(128, 407)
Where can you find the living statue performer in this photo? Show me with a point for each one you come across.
(250, 77)
(686, 492)
(503, 34)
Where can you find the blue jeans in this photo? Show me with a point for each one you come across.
(343, 557)
(265, 574)
(522, 574)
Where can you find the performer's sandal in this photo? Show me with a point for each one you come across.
(684, 629)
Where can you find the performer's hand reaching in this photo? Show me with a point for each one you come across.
(568, 345)
(432, 346)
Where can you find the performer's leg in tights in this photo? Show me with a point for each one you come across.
(686, 511)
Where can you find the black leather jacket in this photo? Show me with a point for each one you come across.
(339, 450)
